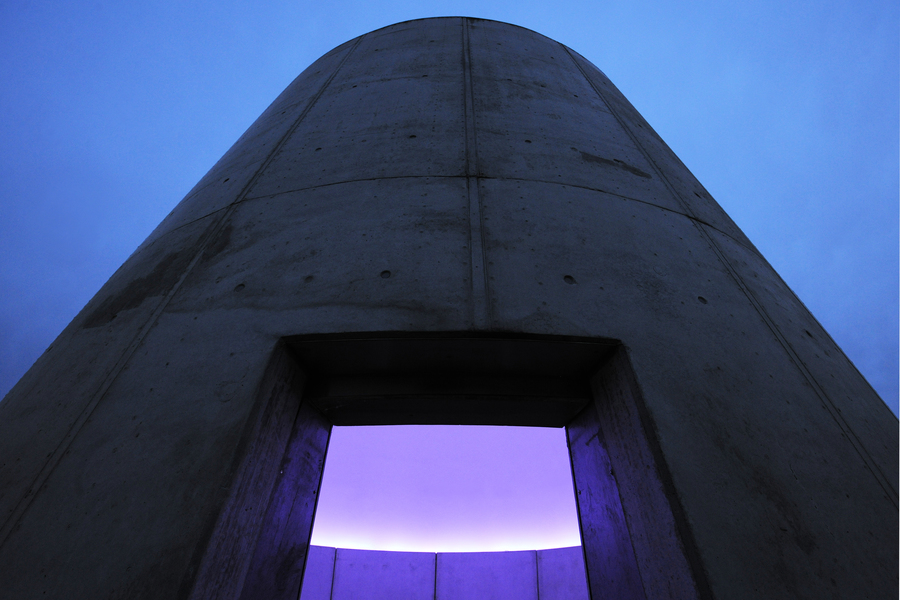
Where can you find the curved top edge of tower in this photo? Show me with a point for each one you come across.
(451, 17)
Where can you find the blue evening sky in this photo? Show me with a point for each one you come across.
(786, 111)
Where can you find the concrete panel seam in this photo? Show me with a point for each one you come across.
(23, 504)
(537, 577)
(485, 178)
(434, 592)
(634, 140)
(825, 399)
(200, 218)
(241, 196)
(333, 571)
(482, 178)
(276, 149)
(478, 277)
(54, 458)
(857, 444)
(803, 304)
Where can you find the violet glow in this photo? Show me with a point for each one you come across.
(447, 488)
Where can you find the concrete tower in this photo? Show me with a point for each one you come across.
(447, 221)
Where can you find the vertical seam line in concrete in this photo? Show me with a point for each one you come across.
(842, 424)
(333, 573)
(434, 593)
(478, 278)
(32, 492)
(537, 577)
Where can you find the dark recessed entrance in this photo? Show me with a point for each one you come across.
(449, 380)
(634, 541)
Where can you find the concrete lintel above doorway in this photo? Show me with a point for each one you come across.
(449, 378)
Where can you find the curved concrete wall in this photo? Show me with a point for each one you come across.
(447, 175)
(341, 574)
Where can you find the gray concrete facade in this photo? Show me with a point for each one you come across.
(448, 221)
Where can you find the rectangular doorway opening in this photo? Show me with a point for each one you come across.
(634, 542)
(461, 464)
(404, 510)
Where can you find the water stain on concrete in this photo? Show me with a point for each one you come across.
(587, 157)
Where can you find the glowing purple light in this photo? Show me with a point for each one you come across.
(447, 489)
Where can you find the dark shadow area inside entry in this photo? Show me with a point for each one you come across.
(449, 379)
(636, 545)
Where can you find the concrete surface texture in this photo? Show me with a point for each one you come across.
(341, 574)
(476, 182)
